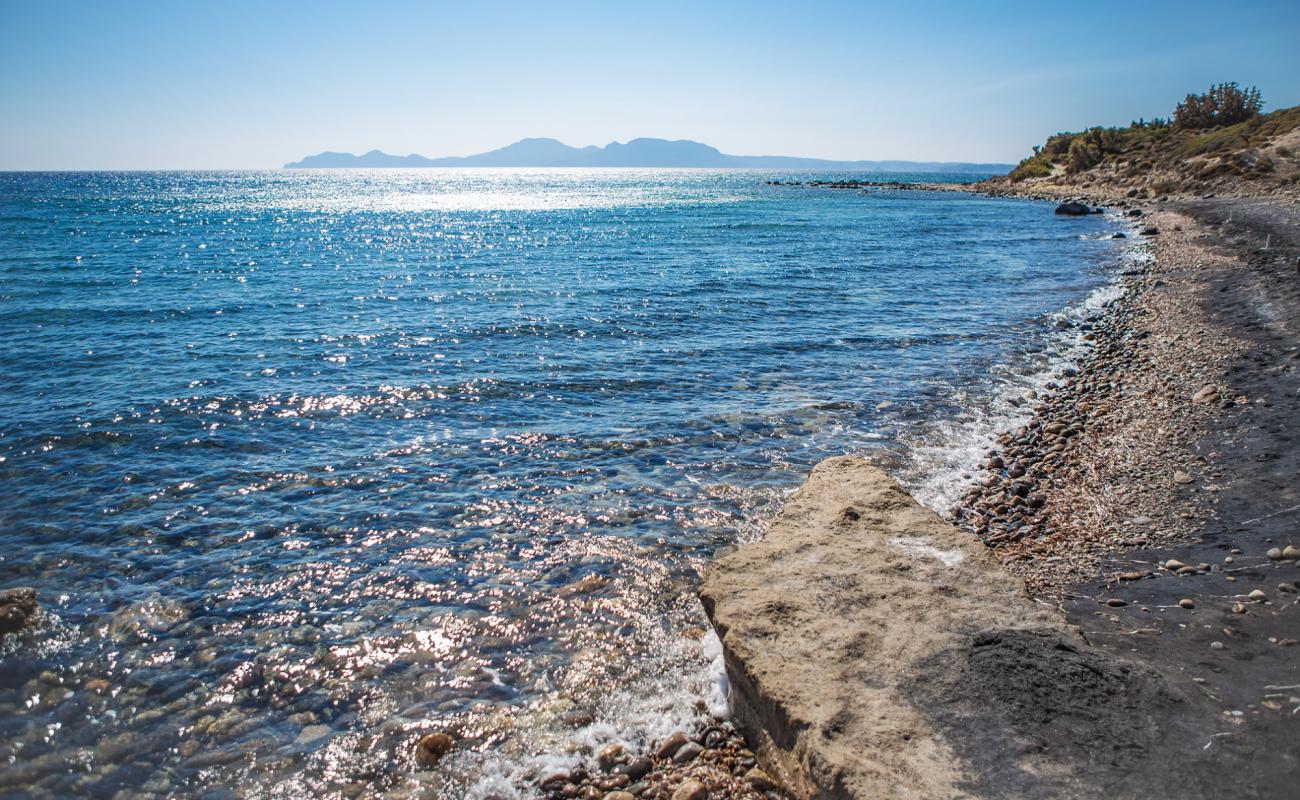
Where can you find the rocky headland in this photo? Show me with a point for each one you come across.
(1111, 608)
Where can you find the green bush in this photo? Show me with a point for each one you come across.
(1224, 104)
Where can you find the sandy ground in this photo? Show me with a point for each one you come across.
(1168, 508)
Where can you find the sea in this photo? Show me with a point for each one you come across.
(307, 464)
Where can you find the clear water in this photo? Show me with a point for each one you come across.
(305, 464)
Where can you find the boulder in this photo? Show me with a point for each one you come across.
(1072, 209)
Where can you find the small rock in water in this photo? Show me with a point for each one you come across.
(1291, 552)
(691, 790)
(1238, 608)
(1186, 602)
(432, 747)
(1289, 588)
(609, 755)
(1274, 554)
(1115, 602)
(1174, 564)
(17, 607)
(1258, 596)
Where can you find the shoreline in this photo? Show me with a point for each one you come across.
(1129, 464)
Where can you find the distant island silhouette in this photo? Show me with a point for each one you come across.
(636, 153)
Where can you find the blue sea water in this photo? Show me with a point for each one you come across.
(306, 464)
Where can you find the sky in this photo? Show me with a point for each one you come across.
(234, 84)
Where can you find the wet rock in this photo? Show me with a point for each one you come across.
(638, 768)
(1217, 645)
(619, 794)
(671, 745)
(432, 747)
(17, 607)
(1173, 565)
(609, 755)
(1288, 588)
(691, 790)
(1257, 596)
(1115, 602)
(1186, 602)
(1072, 210)
(687, 753)
(1291, 552)
(578, 719)
(1274, 554)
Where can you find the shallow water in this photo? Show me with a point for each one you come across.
(304, 464)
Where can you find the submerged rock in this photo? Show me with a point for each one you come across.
(432, 747)
(17, 608)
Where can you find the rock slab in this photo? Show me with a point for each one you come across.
(876, 651)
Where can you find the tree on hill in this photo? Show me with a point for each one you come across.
(1224, 104)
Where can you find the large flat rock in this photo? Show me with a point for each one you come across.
(875, 651)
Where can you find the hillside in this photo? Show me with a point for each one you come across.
(642, 152)
(1257, 157)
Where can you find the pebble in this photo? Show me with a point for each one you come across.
(1274, 554)
(1291, 552)
(620, 795)
(638, 768)
(432, 747)
(1186, 602)
(1216, 645)
(1238, 608)
(1258, 596)
(1174, 564)
(609, 756)
(1115, 602)
(691, 790)
(671, 745)
(687, 753)
(1289, 588)
(1182, 477)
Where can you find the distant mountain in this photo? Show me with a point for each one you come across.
(636, 153)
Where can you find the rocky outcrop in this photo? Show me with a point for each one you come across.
(875, 651)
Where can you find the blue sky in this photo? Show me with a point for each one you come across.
(139, 85)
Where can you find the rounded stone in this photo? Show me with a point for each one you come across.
(691, 790)
(1274, 554)
(1186, 602)
(432, 747)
